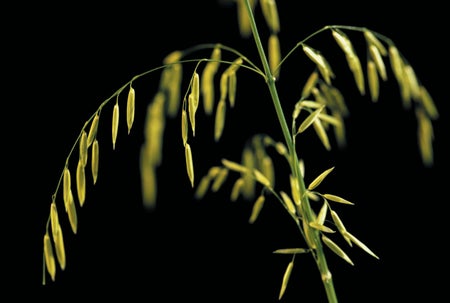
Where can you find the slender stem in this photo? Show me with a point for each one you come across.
(294, 163)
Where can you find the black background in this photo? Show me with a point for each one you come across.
(68, 59)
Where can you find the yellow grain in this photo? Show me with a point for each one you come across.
(93, 129)
(270, 13)
(236, 189)
(58, 239)
(66, 185)
(202, 187)
(256, 209)
(309, 84)
(232, 88)
(310, 119)
(219, 179)
(372, 77)
(361, 245)
(72, 213)
(148, 180)
(83, 148)
(219, 120)
(81, 182)
(286, 276)
(288, 202)
(115, 124)
(372, 39)
(274, 53)
(189, 163)
(130, 108)
(379, 63)
(316, 182)
(291, 251)
(184, 127)
(336, 249)
(321, 133)
(49, 256)
(428, 103)
(95, 160)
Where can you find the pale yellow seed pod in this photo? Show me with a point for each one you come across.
(309, 120)
(268, 169)
(274, 53)
(321, 227)
(72, 213)
(318, 180)
(355, 66)
(295, 190)
(81, 182)
(321, 63)
(195, 89)
(261, 178)
(189, 163)
(288, 202)
(54, 220)
(256, 209)
(93, 129)
(412, 81)
(236, 189)
(372, 39)
(286, 277)
(95, 160)
(270, 12)
(58, 239)
(322, 214)
(361, 245)
(192, 105)
(425, 137)
(83, 148)
(232, 88)
(115, 124)
(49, 256)
(337, 199)
(148, 180)
(207, 88)
(372, 77)
(219, 120)
(66, 185)
(379, 63)
(219, 179)
(245, 29)
(130, 108)
(291, 251)
(428, 103)
(231, 165)
(322, 134)
(223, 86)
(396, 63)
(173, 57)
(310, 83)
(336, 249)
(343, 41)
(184, 127)
(340, 226)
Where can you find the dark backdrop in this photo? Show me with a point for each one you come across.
(69, 58)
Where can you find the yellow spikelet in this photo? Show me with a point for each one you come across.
(261, 178)
(295, 190)
(413, 82)
(236, 189)
(343, 41)
(115, 124)
(288, 202)
(270, 13)
(207, 79)
(232, 88)
(291, 251)
(309, 84)
(396, 64)
(223, 86)
(248, 161)
(318, 180)
(219, 179)
(361, 245)
(130, 108)
(372, 39)
(184, 127)
(340, 226)
(49, 256)
(320, 61)
(425, 137)
(321, 133)
(428, 103)
(243, 20)
(378, 60)
(173, 57)
(72, 213)
(81, 182)
(219, 120)
(148, 180)
(93, 129)
(286, 276)
(195, 89)
(66, 185)
(372, 77)
(336, 249)
(256, 209)
(321, 227)
(192, 106)
(58, 239)
(268, 169)
(310, 119)
(355, 66)
(189, 163)
(171, 85)
(54, 219)
(322, 214)
(95, 160)
(337, 199)
(83, 148)
(202, 187)
(154, 128)
(274, 54)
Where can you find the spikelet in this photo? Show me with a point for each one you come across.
(95, 160)
(49, 256)
(219, 120)
(316, 182)
(219, 179)
(231, 165)
(322, 214)
(372, 39)
(291, 251)
(270, 13)
(171, 79)
(413, 82)
(72, 213)
(321, 227)
(243, 20)
(340, 226)
(310, 119)
(93, 129)
(286, 276)
(202, 187)
(83, 148)
(343, 41)
(425, 137)
(232, 88)
(154, 128)
(58, 239)
(130, 108)
(268, 169)
(66, 185)
(189, 163)
(295, 190)
(261, 178)
(355, 66)
(320, 61)
(309, 84)
(248, 163)
(192, 106)
(81, 182)
(207, 80)
(322, 134)
(288, 202)
(236, 189)
(396, 64)
(54, 219)
(184, 126)
(379, 63)
(372, 77)
(115, 124)
(148, 180)
(274, 54)
(256, 209)
(428, 103)
(337, 199)
(223, 86)
(336, 249)
(361, 245)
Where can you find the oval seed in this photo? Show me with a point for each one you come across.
(148, 180)
(189, 163)
(54, 218)
(336, 249)
(115, 124)
(66, 185)
(256, 209)
(81, 182)
(288, 202)
(184, 127)
(58, 239)
(321, 133)
(49, 257)
(286, 276)
(95, 160)
(93, 129)
(232, 87)
(372, 77)
(316, 182)
(270, 13)
(337, 199)
(219, 120)
(83, 148)
(274, 54)
(130, 108)
(207, 88)
(378, 60)
(375, 41)
(310, 83)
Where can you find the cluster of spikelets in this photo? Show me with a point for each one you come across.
(320, 106)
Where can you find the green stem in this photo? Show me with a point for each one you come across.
(319, 254)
